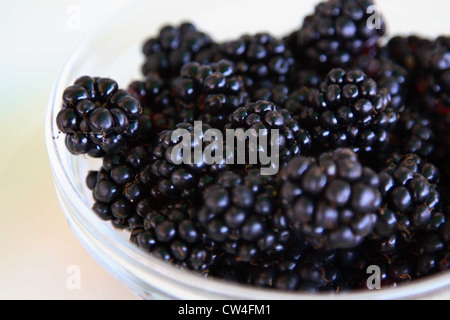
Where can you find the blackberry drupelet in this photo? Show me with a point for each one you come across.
(124, 188)
(337, 32)
(331, 200)
(261, 59)
(240, 212)
(208, 92)
(265, 115)
(177, 178)
(172, 234)
(98, 117)
(173, 47)
(348, 110)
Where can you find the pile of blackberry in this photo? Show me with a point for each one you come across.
(362, 173)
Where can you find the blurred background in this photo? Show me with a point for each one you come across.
(38, 251)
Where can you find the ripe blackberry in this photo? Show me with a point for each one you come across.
(278, 94)
(261, 59)
(173, 47)
(434, 83)
(176, 178)
(98, 117)
(303, 268)
(124, 188)
(240, 212)
(410, 197)
(441, 154)
(413, 133)
(389, 75)
(208, 92)
(157, 102)
(422, 252)
(172, 234)
(265, 115)
(348, 110)
(406, 51)
(337, 32)
(331, 200)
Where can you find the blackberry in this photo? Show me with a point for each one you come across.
(422, 253)
(337, 32)
(332, 200)
(348, 110)
(441, 154)
(265, 115)
(410, 196)
(278, 94)
(303, 268)
(98, 117)
(177, 178)
(406, 51)
(261, 59)
(240, 212)
(157, 102)
(306, 77)
(428, 64)
(171, 234)
(413, 134)
(124, 188)
(208, 92)
(389, 75)
(434, 83)
(173, 47)
(226, 267)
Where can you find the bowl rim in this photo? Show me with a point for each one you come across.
(160, 271)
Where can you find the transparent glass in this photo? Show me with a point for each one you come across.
(115, 52)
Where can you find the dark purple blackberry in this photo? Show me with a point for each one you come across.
(388, 75)
(410, 197)
(441, 153)
(208, 92)
(348, 110)
(157, 102)
(413, 133)
(180, 177)
(265, 115)
(241, 213)
(337, 32)
(306, 269)
(422, 252)
(261, 59)
(227, 267)
(98, 117)
(173, 47)
(124, 188)
(278, 94)
(434, 82)
(331, 200)
(173, 235)
(406, 51)
(310, 78)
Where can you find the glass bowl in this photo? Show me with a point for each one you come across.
(115, 51)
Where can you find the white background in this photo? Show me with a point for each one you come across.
(36, 244)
